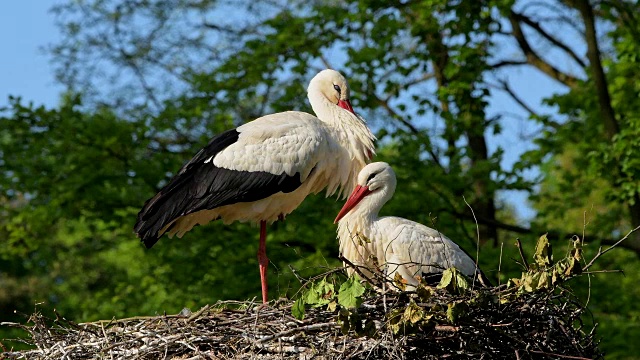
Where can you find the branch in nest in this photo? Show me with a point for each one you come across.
(600, 252)
(521, 251)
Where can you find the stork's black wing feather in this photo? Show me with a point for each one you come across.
(200, 185)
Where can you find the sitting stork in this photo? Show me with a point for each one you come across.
(397, 245)
(261, 171)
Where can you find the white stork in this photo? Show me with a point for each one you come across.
(391, 243)
(261, 171)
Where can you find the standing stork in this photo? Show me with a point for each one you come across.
(261, 171)
(392, 243)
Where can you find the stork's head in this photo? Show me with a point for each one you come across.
(376, 185)
(332, 86)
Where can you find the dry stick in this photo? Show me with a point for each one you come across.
(561, 356)
(446, 328)
(600, 252)
(295, 273)
(473, 283)
(500, 262)
(584, 230)
(198, 313)
(603, 271)
(357, 269)
(524, 260)
(298, 329)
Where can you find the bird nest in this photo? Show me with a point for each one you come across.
(531, 317)
(433, 325)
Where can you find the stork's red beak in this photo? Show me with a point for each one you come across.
(356, 196)
(346, 104)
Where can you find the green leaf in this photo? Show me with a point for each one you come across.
(447, 277)
(350, 292)
(455, 311)
(423, 292)
(297, 310)
(319, 294)
(311, 296)
(543, 254)
(413, 313)
(399, 282)
(395, 318)
(462, 284)
(332, 305)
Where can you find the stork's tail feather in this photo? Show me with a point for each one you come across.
(161, 211)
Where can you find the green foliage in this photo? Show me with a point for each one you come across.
(73, 178)
(454, 281)
(322, 293)
(344, 303)
(545, 274)
(350, 292)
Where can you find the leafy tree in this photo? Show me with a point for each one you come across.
(158, 78)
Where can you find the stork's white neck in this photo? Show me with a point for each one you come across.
(362, 217)
(351, 133)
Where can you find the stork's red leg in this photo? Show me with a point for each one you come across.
(263, 260)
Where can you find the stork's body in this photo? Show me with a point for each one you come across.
(262, 170)
(392, 244)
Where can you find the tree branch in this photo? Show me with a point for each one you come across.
(385, 104)
(600, 252)
(536, 26)
(504, 86)
(503, 63)
(534, 59)
(593, 53)
(552, 234)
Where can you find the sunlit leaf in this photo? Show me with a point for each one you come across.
(297, 310)
(350, 292)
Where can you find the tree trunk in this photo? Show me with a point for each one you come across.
(483, 203)
(611, 124)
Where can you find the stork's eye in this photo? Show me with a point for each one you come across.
(337, 88)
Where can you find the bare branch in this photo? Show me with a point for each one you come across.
(503, 63)
(504, 86)
(600, 252)
(385, 104)
(424, 77)
(523, 230)
(521, 251)
(599, 77)
(536, 26)
(534, 59)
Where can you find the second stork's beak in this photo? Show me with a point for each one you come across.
(356, 196)
(346, 104)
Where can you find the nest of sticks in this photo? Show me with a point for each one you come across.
(532, 317)
(535, 326)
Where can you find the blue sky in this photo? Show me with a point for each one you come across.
(26, 27)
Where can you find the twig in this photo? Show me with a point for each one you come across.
(473, 283)
(603, 271)
(446, 328)
(295, 273)
(559, 355)
(382, 279)
(500, 262)
(521, 251)
(298, 329)
(600, 252)
(198, 313)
